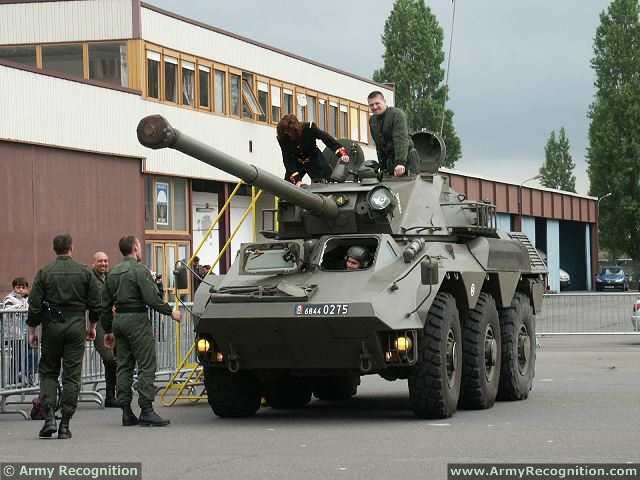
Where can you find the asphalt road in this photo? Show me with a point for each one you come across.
(585, 407)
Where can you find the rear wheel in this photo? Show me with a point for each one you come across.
(518, 349)
(232, 394)
(288, 393)
(481, 355)
(336, 389)
(434, 381)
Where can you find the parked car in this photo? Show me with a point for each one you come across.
(565, 278)
(635, 316)
(612, 278)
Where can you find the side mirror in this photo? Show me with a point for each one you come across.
(429, 272)
(180, 276)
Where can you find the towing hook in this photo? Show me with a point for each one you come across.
(233, 365)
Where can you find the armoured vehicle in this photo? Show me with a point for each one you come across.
(444, 300)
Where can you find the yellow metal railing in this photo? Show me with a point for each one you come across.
(188, 374)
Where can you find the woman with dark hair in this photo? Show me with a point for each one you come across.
(301, 155)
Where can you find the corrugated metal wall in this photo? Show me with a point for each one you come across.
(529, 228)
(172, 33)
(99, 119)
(503, 222)
(553, 254)
(42, 22)
(95, 198)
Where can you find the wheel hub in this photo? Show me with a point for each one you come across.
(490, 352)
(524, 349)
(452, 357)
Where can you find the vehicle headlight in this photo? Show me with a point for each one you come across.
(598, 280)
(380, 198)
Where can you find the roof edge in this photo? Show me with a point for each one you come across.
(260, 44)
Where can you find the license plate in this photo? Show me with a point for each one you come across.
(322, 309)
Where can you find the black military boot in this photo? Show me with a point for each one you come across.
(110, 383)
(128, 417)
(50, 427)
(148, 417)
(63, 431)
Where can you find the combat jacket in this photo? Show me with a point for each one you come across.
(131, 289)
(390, 133)
(67, 286)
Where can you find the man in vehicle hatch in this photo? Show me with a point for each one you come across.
(396, 153)
(357, 258)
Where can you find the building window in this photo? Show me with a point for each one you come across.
(21, 55)
(301, 107)
(108, 63)
(311, 109)
(333, 119)
(287, 102)
(235, 95)
(161, 258)
(275, 104)
(355, 134)
(65, 59)
(166, 204)
(344, 121)
(247, 95)
(322, 114)
(364, 126)
(263, 100)
(250, 104)
(221, 91)
(188, 83)
(203, 86)
(153, 74)
(171, 79)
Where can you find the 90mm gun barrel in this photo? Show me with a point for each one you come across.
(155, 132)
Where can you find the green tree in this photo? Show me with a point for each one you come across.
(557, 171)
(614, 133)
(413, 57)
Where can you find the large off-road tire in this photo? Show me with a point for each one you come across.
(518, 349)
(232, 394)
(434, 381)
(481, 359)
(336, 389)
(288, 393)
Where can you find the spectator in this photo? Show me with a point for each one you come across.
(17, 299)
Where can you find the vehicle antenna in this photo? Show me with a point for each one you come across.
(446, 81)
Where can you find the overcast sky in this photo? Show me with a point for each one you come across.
(519, 69)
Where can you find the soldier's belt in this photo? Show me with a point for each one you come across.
(130, 309)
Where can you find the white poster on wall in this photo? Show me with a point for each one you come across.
(162, 203)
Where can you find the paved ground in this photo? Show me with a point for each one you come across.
(585, 406)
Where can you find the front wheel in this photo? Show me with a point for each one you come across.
(434, 381)
(232, 394)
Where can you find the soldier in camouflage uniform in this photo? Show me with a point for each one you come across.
(99, 270)
(62, 292)
(130, 288)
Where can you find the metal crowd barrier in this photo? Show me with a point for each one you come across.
(586, 313)
(19, 382)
